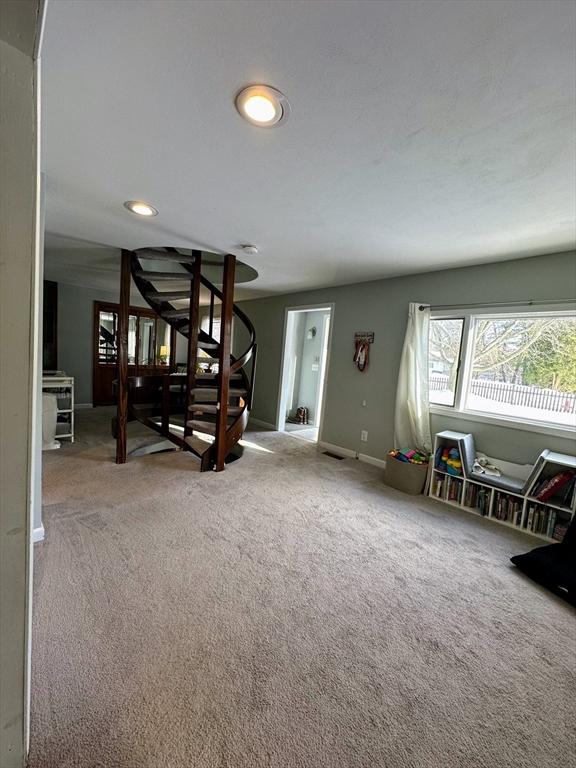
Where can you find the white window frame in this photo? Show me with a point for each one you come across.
(461, 357)
(459, 410)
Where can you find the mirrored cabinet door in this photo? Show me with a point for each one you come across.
(146, 341)
(148, 347)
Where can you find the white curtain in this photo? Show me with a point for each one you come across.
(412, 416)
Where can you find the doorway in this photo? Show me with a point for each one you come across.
(307, 333)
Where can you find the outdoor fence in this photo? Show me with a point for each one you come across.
(515, 394)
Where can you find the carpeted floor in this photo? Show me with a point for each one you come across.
(291, 612)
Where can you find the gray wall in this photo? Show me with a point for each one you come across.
(381, 306)
(19, 268)
(75, 329)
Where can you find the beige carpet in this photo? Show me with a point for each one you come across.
(291, 612)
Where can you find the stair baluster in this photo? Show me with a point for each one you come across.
(192, 336)
(224, 359)
(122, 358)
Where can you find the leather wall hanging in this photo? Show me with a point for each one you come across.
(362, 343)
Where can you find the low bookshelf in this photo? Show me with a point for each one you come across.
(519, 508)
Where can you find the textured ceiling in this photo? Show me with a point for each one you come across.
(423, 135)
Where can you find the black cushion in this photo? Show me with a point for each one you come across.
(569, 540)
(553, 566)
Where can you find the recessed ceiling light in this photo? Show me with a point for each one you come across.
(140, 208)
(262, 105)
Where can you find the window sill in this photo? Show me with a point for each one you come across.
(557, 430)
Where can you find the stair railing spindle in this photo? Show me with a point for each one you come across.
(192, 338)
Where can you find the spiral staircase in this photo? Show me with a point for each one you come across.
(205, 409)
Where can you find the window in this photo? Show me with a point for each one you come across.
(520, 367)
(444, 359)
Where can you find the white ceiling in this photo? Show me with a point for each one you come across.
(422, 135)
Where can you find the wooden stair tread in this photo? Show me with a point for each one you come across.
(198, 446)
(208, 376)
(207, 345)
(208, 427)
(233, 410)
(233, 391)
(150, 276)
(176, 314)
(143, 408)
(167, 295)
(150, 253)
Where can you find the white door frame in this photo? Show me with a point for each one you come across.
(319, 406)
(281, 402)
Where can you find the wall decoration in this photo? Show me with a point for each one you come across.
(364, 336)
(362, 341)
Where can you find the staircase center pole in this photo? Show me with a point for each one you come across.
(122, 359)
(193, 325)
(226, 311)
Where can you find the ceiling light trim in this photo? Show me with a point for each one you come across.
(141, 208)
(254, 100)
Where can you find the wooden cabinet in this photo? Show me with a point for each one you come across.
(149, 341)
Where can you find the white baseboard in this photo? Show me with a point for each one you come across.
(38, 534)
(79, 406)
(337, 449)
(348, 453)
(263, 424)
(372, 460)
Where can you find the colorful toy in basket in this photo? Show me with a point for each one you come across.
(410, 456)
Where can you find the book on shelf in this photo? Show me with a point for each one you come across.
(453, 488)
(557, 489)
(565, 496)
(477, 497)
(546, 521)
(559, 531)
(508, 508)
(438, 486)
(551, 523)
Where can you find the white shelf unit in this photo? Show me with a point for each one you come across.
(63, 388)
(546, 520)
